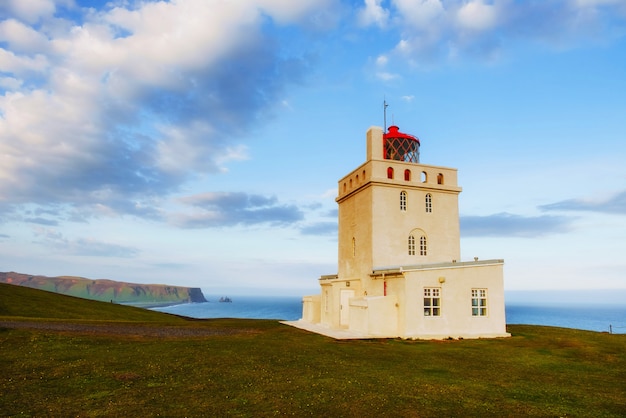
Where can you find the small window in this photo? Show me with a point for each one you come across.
(424, 177)
(411, 245)
(390, 172)
(344, 187)
(432, 301)
(479, 302)
(407, 175)
(353, 247)
(357, 179)
(439, 178)
(429, 203)
(326, 301)
(423, 245)
(403, 201)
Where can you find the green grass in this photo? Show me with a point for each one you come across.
(268, 369)
(25, 302)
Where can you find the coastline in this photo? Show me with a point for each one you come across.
(602, 315)
(155, 304)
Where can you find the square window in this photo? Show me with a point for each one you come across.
(432, 301)
(479, 302)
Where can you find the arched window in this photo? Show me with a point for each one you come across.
(350, 183)
(417, 246)
(423, 245)
(407, 175)
(403, 200)
(326, 301)
(424, 177)
(390, 172)
(344, 187)
(429, 203)
(439, 178)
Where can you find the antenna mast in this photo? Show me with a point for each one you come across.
(385, 114)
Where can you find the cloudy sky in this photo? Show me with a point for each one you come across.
(199, 142)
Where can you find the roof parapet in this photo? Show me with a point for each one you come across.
(378, 271)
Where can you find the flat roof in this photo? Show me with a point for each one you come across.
(448, 264)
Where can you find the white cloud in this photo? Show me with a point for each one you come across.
(373, 14)
(387, 76)
(429, 31)
(22, 65)
(124, 104)
(223, 209)
(511, 225)
(421, 14)
(176, 153)
(22, 38)
(478, 16)
(195, 33)
(52, 239)
(615, 204)
(31, 11)
(10, 83)
(381, 72)
(289, 11)
(593, 3)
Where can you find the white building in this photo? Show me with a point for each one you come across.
(400, 272)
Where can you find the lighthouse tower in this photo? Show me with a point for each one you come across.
(394, 210)
(400, 272)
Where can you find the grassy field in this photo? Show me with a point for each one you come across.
(263, 368)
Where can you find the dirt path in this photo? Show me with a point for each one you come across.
(123, 329)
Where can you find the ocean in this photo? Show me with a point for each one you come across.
(286, 308)
(567, 312)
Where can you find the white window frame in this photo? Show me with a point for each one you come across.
(423, 245)
(403, 201)
(432, 301)
(479, 302)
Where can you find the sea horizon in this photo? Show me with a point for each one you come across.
(597, 310)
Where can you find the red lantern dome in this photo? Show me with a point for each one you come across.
(400, 146)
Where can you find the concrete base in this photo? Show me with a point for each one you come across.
(338, 334)
(344, 334)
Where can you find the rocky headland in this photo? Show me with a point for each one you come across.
(145, 295)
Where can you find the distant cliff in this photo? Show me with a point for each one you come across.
(108, 290)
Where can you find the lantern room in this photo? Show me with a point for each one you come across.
(400, 146)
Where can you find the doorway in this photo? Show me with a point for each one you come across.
(344, 308)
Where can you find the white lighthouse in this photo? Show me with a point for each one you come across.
(400, 272)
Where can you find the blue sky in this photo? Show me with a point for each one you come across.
(199, 142)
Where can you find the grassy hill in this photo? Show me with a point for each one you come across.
(263, 368)
(19, 301)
